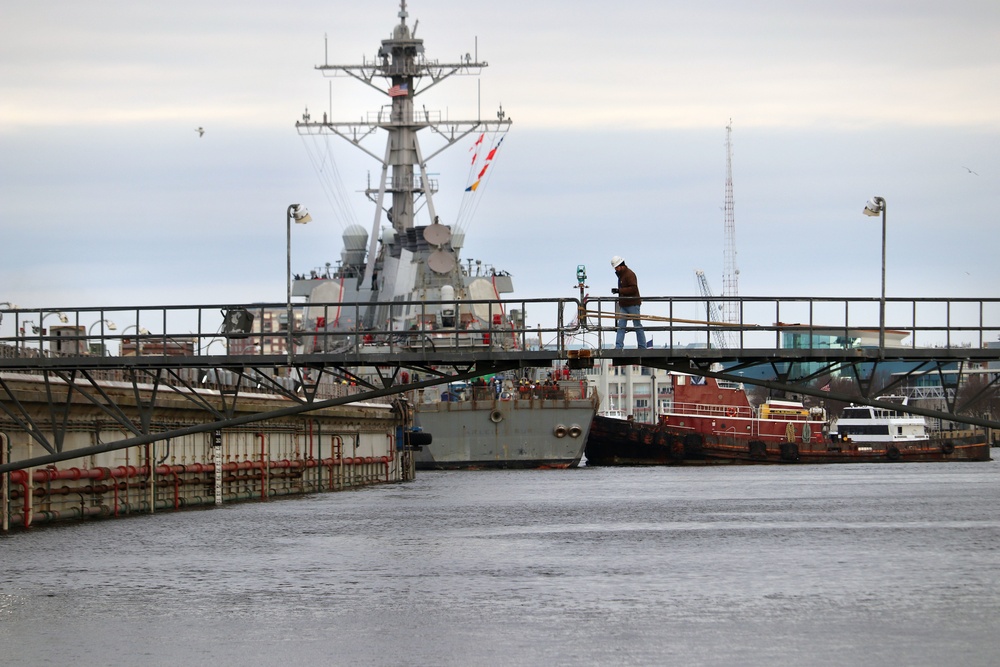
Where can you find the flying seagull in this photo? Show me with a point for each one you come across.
(200, 131)
(970, 171)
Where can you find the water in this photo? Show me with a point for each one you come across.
(792, 565)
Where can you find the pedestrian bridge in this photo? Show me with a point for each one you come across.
(784, 343)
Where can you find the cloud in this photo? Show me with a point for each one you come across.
(107, 195)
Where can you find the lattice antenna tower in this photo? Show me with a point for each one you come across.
(730, 273)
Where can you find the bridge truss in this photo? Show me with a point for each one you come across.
(786, 344)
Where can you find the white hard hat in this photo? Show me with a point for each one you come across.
(616, 260)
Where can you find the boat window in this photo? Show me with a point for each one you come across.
(864, 429)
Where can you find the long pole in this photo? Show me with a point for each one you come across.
(288, 275)
(881, 309)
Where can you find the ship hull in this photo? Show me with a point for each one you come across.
(470, 435)
(614, 442)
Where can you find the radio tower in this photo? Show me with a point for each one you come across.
(730, 274)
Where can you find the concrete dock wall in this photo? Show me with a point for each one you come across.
(333, 449)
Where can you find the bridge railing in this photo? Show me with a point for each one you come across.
(809, 323)
(812, 322)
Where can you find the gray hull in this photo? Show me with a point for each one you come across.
(504, 434)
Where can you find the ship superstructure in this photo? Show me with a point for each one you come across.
(405, 284)
(406, 261)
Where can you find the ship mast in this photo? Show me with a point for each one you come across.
(404, 180)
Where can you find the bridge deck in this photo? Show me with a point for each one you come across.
(784, 343)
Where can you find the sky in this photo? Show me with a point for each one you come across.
(109, 197)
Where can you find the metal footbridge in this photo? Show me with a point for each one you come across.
(793, 344)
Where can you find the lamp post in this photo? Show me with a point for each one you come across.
(111, 326)
(6, 305)
(62, 318)
(298, 213)
(140, 331)
(40, 329)
(875, 206)
(24, 332)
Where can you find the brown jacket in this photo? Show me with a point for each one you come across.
(628, 288)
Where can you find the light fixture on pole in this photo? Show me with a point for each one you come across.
(875, 206)
(62, 318)
(6, 305)
(298, 213)
(140, 331)
(111, 326)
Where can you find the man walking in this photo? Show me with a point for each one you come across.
(628, 303)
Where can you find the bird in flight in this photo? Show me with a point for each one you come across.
(200, 131)
(970, 171)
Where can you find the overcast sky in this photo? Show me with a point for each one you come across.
(108, 196)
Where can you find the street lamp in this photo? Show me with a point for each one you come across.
(140, 331)
(62, 318)
(110, 325)
(875, 206)
(7, 305)
(298, 213)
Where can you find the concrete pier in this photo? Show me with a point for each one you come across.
(331, 449)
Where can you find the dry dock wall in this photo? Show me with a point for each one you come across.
(332, 449)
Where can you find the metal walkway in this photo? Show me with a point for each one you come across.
(233, 350)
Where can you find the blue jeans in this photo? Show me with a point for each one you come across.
(640, 334)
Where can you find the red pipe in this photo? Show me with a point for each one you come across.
(336, 451)
(46, 475)
(263, 470)
(177, 487)
(21, 478)
(310, 438)
(42, 492)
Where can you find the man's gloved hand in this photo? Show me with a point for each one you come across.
(614, 290)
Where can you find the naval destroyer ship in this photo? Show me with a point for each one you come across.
(409, 276)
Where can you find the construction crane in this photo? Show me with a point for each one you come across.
(713, 314)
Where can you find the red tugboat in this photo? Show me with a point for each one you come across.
(713, 422)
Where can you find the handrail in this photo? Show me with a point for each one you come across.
(802, 323)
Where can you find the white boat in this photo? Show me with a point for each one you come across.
(865, 423)
(613, 413)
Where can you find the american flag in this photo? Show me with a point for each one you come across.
(399, 90)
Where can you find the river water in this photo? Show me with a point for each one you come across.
(790, 565)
